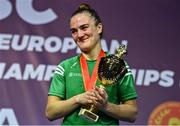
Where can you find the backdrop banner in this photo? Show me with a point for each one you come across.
(35, 37)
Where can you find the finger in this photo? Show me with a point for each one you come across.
(100, 91)
(90, 101)
(87, 99)
(99, 98)
(92, 98)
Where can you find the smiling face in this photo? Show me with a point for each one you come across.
(84, 32)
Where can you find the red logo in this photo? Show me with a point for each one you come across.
(167, 113)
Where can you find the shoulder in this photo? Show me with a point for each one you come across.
(69, 62)
(65, 65)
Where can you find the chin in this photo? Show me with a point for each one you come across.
(85, 49)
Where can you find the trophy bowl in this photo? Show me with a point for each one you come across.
(111, 69)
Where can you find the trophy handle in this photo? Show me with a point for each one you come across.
(121, 51)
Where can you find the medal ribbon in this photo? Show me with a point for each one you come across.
(89, 82)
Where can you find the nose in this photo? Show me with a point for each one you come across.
(80, 33)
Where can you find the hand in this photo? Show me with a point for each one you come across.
(86, 97)
(102, 97)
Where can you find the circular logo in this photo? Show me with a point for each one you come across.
(167, 113)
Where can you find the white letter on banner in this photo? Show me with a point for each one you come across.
(104, 45)
(2, 67)
(140, 76)
(68, 43)
(114, 45)
(14, 72)
(26, 11)
(9, 115)
(134, 71)
(30, 73)
(151, 76)
(5, 9)
(17, 45)
(53, 44)
(36, 43)
(78, 50)
(49, 72)
(167, 78)
(5, 41)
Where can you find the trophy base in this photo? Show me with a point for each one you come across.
(86, 114)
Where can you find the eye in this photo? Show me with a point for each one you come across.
(84, 27)
(73, 31)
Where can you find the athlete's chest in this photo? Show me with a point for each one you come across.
(74, 79)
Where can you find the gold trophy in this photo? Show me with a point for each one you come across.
(111, 68)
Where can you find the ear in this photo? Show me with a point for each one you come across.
(100, 28)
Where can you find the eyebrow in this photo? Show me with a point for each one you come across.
(79, 27)
(84, 25)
